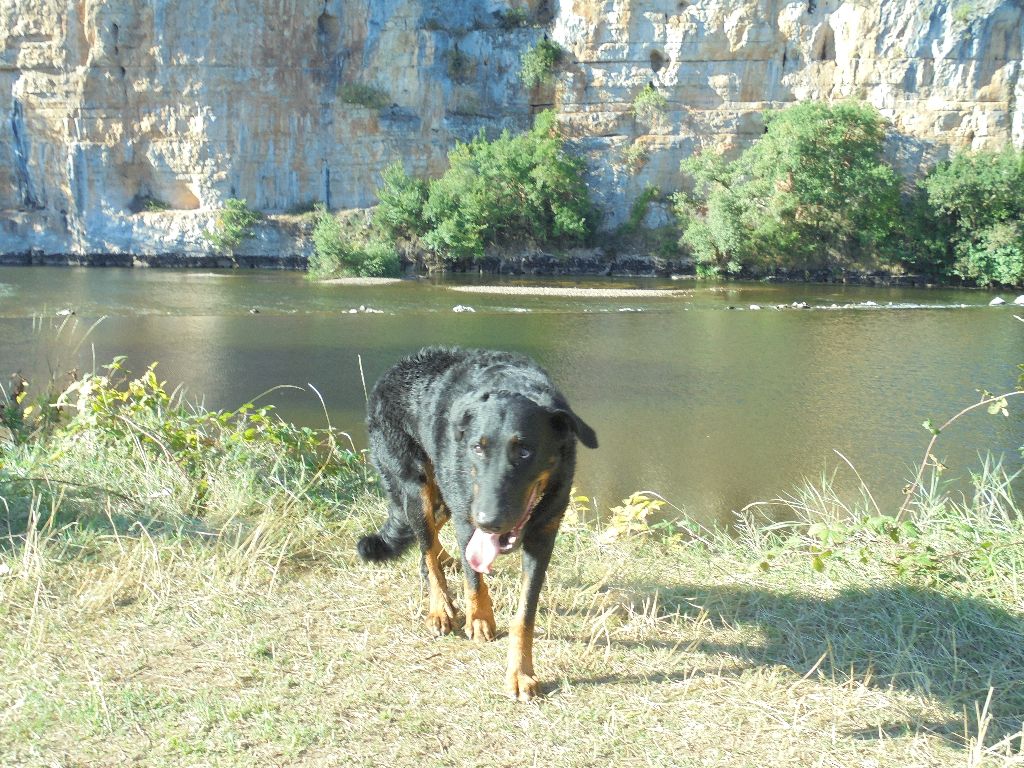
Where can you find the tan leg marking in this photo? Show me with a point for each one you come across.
(441, 615)
(480, 624)
(520, 680)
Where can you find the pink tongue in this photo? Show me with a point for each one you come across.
(482, 551)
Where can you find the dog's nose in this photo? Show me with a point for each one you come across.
(487, 521)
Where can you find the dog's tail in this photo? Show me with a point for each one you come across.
(388, 543)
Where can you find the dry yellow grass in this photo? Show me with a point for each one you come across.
(171, 650)
(205, 607)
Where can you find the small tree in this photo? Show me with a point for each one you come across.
(378, 259)
(650, 106)
(399, 211)
(812, 193)
(233, 224)
(539, 62)
(515, 187)
(329, 248)
(333, 254)
(979, 196)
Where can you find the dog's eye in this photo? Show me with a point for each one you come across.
(478, 449)
(524, 453)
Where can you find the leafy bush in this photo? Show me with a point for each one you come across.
(364, 95)
(978, 197)
(233, 225)
(538, 63)
(513, 18)
(650, 106)
(638, 209)
(635, 156)
(329, 248)
(812, 193)
(378, 259)
(511, 188)
(996, 255)
(334, 255)
(515, 187)
(113, 440)
(922, 239)
(461, 66)
(400, 209)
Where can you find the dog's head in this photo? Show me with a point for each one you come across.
(512, 445)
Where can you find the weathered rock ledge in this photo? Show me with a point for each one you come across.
(111, 108)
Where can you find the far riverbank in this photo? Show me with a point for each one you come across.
(591, 262)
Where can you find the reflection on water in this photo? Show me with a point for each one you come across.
(710, 407)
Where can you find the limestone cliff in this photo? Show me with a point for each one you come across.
(110, 107)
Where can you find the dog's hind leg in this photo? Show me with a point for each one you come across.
(442, 613)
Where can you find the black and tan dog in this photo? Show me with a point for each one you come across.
(485, 439)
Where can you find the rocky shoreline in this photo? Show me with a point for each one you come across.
(38, 258)
(593, 262)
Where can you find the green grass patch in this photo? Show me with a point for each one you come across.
(180, 586)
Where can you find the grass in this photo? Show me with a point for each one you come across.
(181, 588)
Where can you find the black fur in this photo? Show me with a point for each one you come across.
(489, 435)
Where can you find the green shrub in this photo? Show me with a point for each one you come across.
(364, 95)
(978, 199)
(638, 209)
(650, 106)
(329, 248)
(518, 187)
(155, 205)
(921, 241)
(233, 225)
(539, 62)
(515, 187)
(812, 193)
(399, 211)
(635, 156)
(461, 67)
(963, 13)
(995, 256)
(378, 258)
(513, 18)
(334, 255)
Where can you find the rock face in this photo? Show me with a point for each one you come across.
(112, 108)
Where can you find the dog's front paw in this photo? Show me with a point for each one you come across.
(481, 629)
(521, 686)
(439, 623)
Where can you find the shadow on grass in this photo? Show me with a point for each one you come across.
(30, 505)
(947, 649)
(47, 506)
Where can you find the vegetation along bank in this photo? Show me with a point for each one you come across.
(814, 198)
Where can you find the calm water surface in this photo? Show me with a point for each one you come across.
(710, 406)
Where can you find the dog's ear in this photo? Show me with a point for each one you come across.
(564, 418)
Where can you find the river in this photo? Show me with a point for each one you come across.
(696, 396)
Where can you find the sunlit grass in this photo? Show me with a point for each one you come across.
(205, 606)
